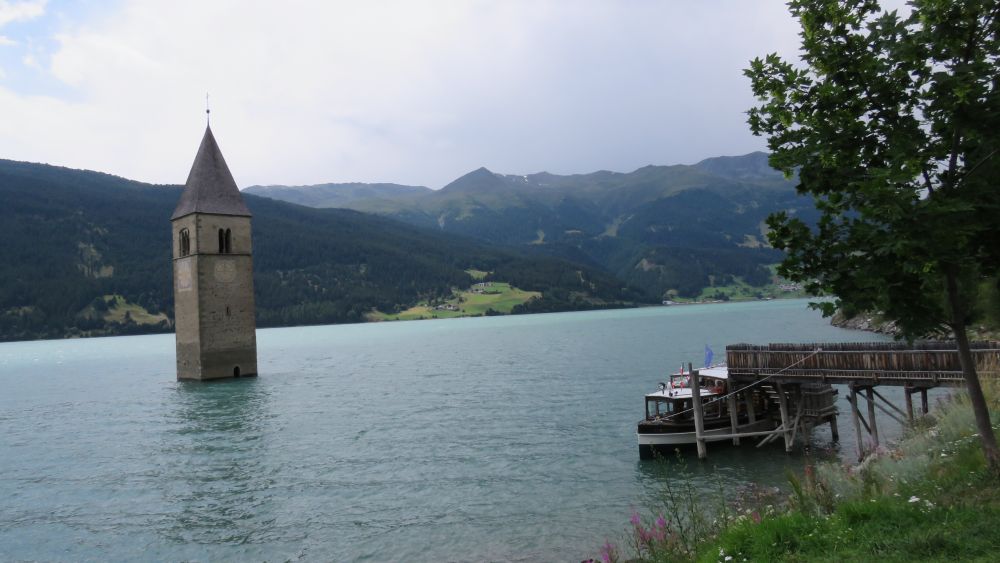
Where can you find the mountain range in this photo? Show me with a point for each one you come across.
(668, 230)
(88, 253)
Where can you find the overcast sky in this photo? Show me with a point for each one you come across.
(408, 92)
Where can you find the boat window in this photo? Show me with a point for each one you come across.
(662, 407)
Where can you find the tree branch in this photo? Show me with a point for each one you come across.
(957, 134)
(976, 166)
(927, 182)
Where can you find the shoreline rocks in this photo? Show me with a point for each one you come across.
(865, 321)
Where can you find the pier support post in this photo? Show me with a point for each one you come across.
(897, 415)
(785, 422)
(748, 396)
(732, 404)
(870, 395)
(833, 428)
(923, 401)
(699, 419)
(908, 393)
(855, 414)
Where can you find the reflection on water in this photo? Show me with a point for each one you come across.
(213, 472)
(727, 467)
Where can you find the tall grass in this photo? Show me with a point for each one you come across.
(681, 516)
(930, 497)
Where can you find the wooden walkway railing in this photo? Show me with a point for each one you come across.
(885, 363)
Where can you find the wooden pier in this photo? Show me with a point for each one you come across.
(798, 379)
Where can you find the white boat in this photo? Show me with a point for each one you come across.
(669, 420)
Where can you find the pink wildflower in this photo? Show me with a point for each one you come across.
(608, 553)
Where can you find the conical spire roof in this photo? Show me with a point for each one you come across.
(210, 187)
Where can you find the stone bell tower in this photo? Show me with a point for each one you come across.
(213, 273)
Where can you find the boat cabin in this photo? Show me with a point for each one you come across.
(670, 420)
(674, 400)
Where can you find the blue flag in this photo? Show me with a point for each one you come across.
(708, 356)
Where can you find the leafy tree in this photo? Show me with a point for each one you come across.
(891, 122)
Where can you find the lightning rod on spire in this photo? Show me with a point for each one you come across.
(208, 111)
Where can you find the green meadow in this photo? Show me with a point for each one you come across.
(498, 297)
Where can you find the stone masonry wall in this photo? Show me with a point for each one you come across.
(216, 327)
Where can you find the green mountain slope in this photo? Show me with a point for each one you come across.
(339, 195)
(89, 253)
(668, 229)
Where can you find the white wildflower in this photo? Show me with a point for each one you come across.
(914, 499)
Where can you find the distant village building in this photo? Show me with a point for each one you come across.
(481, 287)
(213, 273)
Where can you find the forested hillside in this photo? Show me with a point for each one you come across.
(671, 230)
(88, 253)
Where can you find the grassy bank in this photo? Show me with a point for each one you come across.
(496, 297)
(929, 498)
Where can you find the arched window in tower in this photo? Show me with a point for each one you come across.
(185, 242)
(229, 241)
(222, 241)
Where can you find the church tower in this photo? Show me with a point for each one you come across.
(213, 273)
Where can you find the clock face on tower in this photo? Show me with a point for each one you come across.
(225, 271)
(184, 275)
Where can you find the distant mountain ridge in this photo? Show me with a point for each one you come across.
(336, 195)
(668, 229)
(88, 253)
(85, 254)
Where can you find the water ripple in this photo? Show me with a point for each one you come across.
(494, 439)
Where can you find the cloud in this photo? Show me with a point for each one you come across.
(20, 11)
(7, 41)
(396, 91)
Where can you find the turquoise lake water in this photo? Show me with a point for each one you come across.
(482, 439)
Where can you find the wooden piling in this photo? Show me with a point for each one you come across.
(699, 420)
(870, 395)
(855, 415)
(732, 404)
(923, 401)
(797, 421)
(908, 393)
(783, 407)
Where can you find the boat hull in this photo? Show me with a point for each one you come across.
(649, 442)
